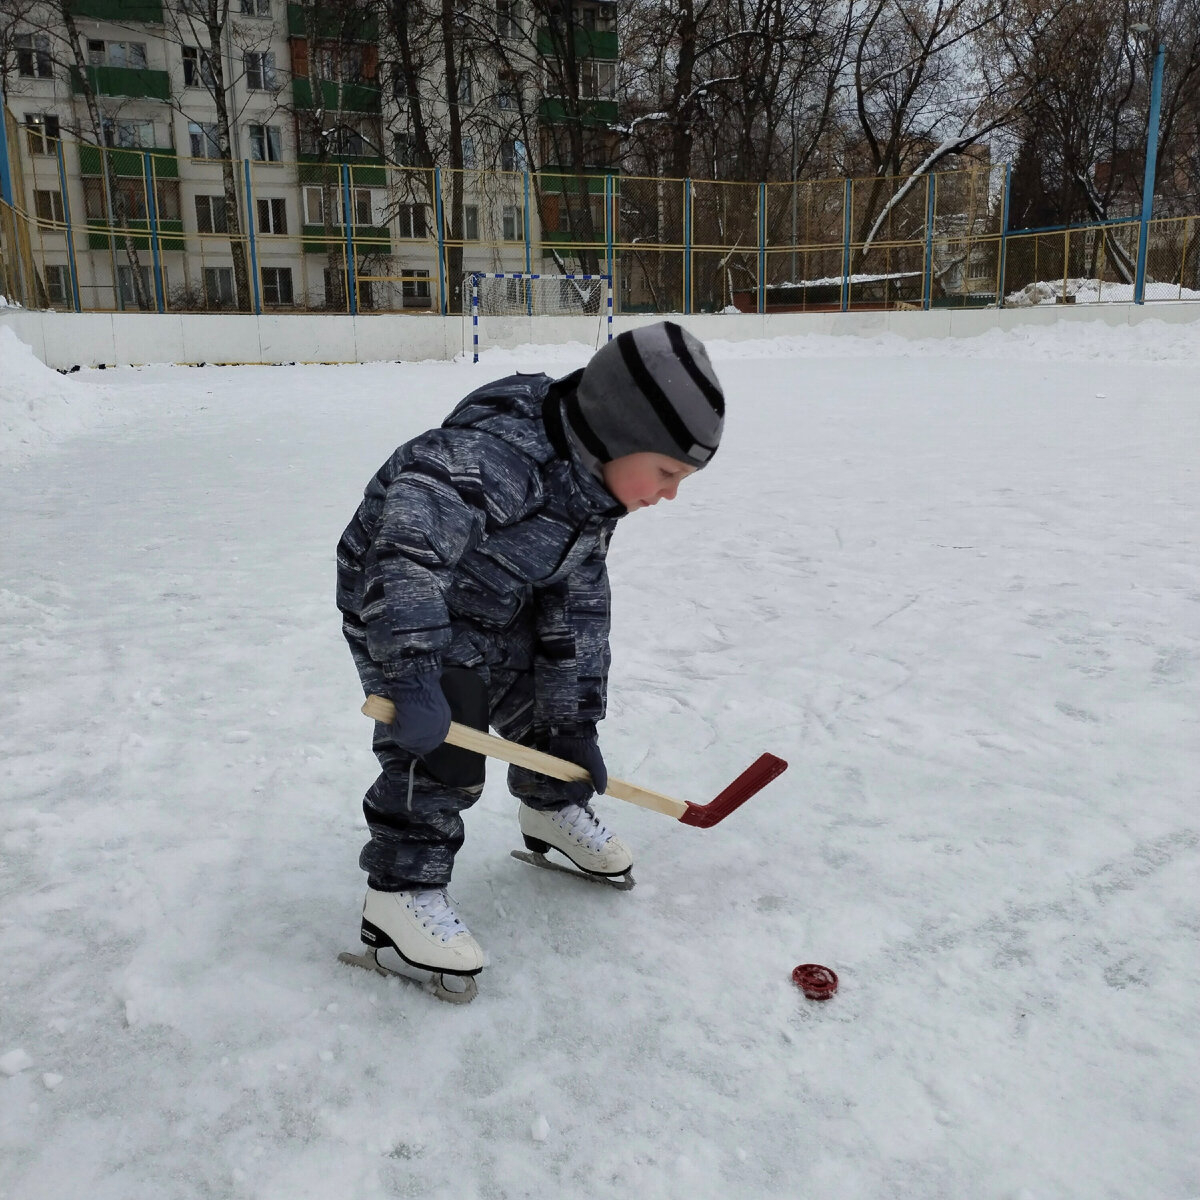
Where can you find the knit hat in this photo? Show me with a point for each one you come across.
(650, 389)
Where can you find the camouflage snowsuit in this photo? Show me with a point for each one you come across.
(480, 544)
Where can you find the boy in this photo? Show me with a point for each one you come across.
(472, 586)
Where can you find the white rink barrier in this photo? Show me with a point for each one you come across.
(65, 340)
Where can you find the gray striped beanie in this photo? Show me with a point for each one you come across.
(650, 389)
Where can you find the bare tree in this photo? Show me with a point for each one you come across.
(204, 27)
(338, 65)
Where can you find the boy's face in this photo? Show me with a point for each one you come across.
(642, 480)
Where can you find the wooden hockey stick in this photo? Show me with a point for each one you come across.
(748, 783)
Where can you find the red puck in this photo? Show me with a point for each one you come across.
(817, 982)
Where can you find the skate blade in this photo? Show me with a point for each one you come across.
(622, 883)
(436, 984)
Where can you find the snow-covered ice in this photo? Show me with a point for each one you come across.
(956, 584)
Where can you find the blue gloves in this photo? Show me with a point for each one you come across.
(577, 743)
(422, 712)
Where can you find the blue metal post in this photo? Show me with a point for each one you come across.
(610, 229)
(762, 247)
(253, 243)
(846, 204)
(66, 199)
(930, 206)
(528, 250)
(6, 184)
(687, 245)
(1004, 211)
(1139, 285)
(152, 215)
(351, 259)
(474, 318)
(439, 218)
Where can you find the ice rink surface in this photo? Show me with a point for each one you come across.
(955, 584)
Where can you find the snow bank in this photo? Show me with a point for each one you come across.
(39, 406)
(1064, 341)
(1093, 291)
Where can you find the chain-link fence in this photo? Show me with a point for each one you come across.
(121, 229)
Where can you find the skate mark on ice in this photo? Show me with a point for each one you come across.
(896, 612)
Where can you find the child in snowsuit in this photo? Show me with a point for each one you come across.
(472, 586)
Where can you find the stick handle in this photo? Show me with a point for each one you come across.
(381, 709)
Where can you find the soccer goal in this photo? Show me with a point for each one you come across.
(499, 300)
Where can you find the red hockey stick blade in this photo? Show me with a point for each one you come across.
(749, 783)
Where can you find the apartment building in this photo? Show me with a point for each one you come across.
(320, 205)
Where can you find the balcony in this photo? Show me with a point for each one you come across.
(147, 12)
(591, 112)
(326, 23)
(125, 81)
(335, 97)
(589, 43)
(129, 164)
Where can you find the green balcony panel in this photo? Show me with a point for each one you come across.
(589, 43)
(591, 112)
(374, 239)
(558, 180)
(346, 97)
(128, 164)
(144, 11)
(125, 81)
(364, 172)
(304, 20)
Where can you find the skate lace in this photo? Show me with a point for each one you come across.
(437, 914)
(583, 824)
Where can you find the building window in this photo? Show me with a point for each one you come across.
(597, 79)
(42, 132)
(512, 155)
(266, 144)
(33, 56)
(131, 55)
(362, 203)
(404, 149)
(125, 283)
(197, 68)
(167, 201)
(335, 290)
(506, 90)
(57, 280)
(507, 25)
(272, 215)
(256, 8)
(514, 223)
(277, 285)
(48, 205)
(414, 290)
(314, 206)
(204, 140)
(218, 287)
(210, 215)
(129, 135)
(411, 220)
(342, 61)
(468, 149)
(260, 70)
(470, 223)
(466, 89)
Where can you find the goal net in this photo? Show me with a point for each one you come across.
(504, 304)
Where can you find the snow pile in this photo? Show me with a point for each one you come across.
(39, 406)
(1093, 291)
(1064, 341)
